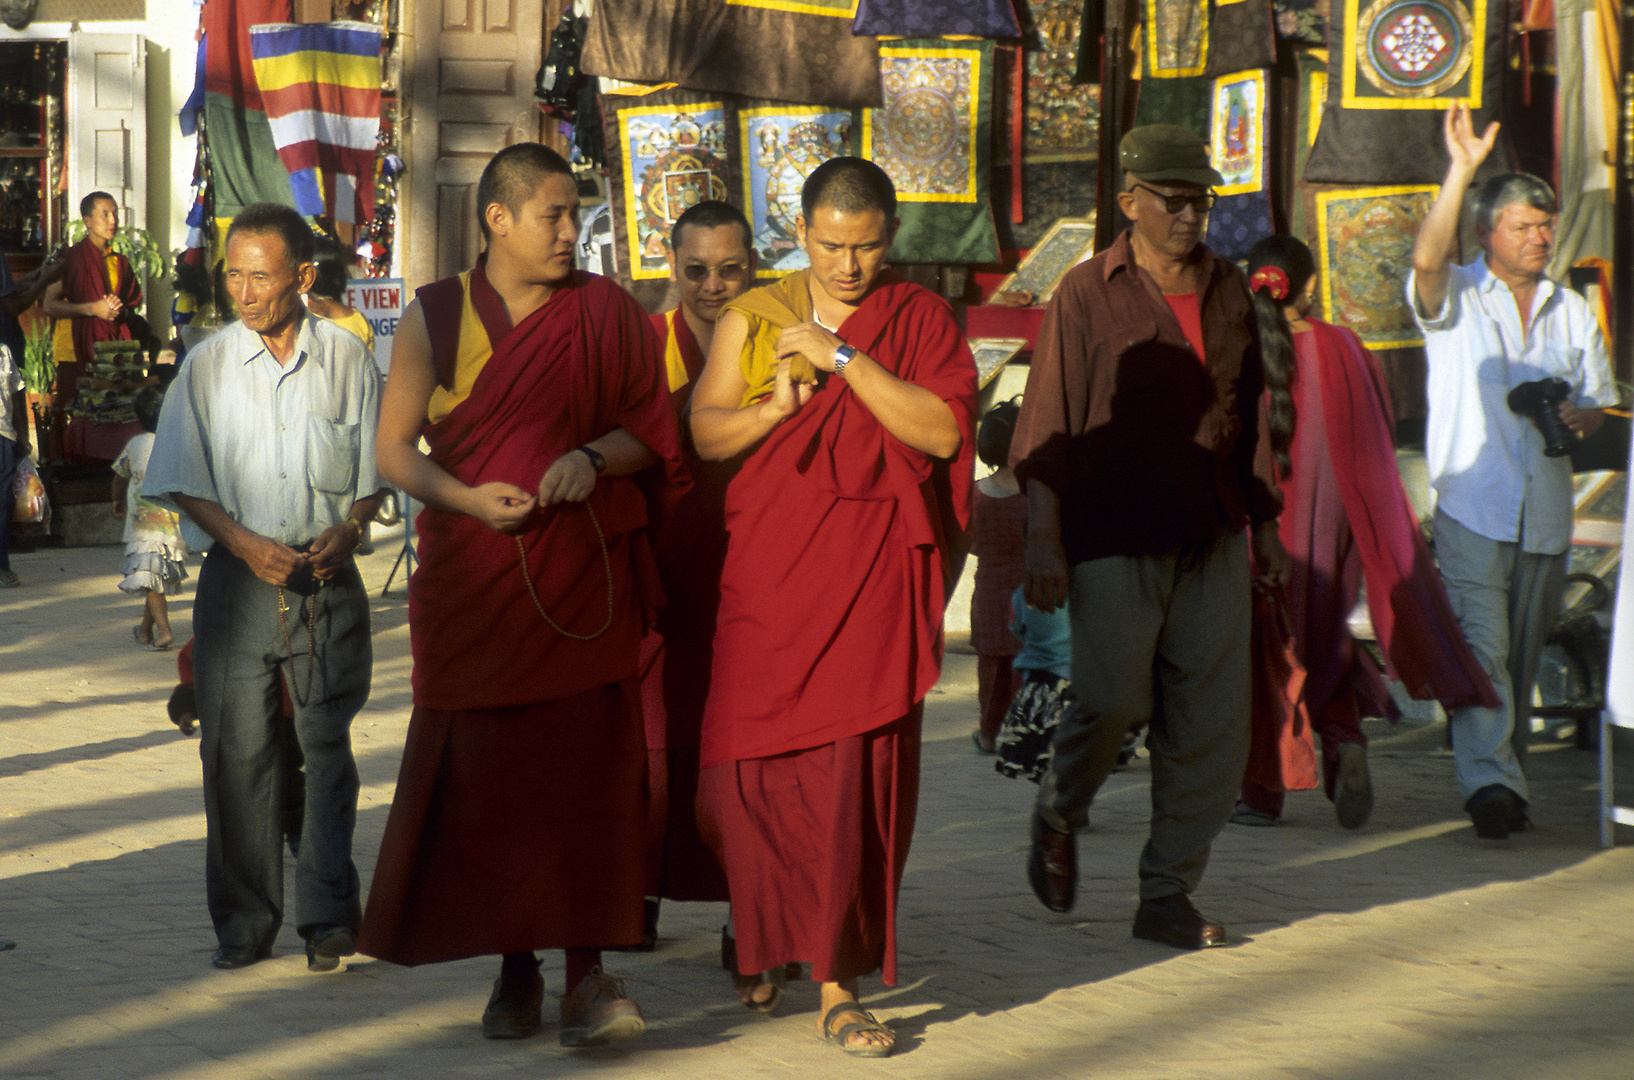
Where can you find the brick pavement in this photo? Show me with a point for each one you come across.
(1407, 949)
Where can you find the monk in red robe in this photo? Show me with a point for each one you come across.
(712, 261)
(849, 396)
(520, 809)
(98, 291)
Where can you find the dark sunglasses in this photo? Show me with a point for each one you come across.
(731, 273)
(1173, 204)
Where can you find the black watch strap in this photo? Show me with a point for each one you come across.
(597, 462)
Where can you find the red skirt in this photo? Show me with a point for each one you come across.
(814, 843)
(514, 830)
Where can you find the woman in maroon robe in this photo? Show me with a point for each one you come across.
(1345, 518)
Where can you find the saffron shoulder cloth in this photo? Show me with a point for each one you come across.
(86, 278)
(586, 362)
(842, 539)
(1416, 628)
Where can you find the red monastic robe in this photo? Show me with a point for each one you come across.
(1346, 518)
(86, 278)
(689, 541)
(520, 802)
(828, 639)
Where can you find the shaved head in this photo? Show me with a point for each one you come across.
(850, 185)
(513, 175)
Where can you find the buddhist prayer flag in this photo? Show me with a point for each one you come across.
(319, 84)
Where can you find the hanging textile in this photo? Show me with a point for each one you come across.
(1238, 140)
(666, 151)
(782, 144)
(244, 164)
(1365, 249)
(1393, 68)
(1241, 35)
(788, 50)
(934, 18)
(1303, 21)
(320, 87)
(1176, 39)
(932, 138)
(1183, 102)
(1586, 50)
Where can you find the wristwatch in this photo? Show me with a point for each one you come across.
(843, 356)
(597, 462)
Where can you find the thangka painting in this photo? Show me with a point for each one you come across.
(1238, 132)
(1366, 239)
(673, 157)
(781, 146)
(1062, 117)
(932, 138)
(1176, 38)
(1412, 54)
(925, 136)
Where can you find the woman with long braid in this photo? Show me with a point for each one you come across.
(1345, 518)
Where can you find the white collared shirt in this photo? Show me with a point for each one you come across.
(284, 449)
(1487, 463)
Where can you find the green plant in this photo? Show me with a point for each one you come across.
(39, 369)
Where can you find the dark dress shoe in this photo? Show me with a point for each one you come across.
(513, 1008)
(1497, 812)
(1171, 920)
(229, 957)
(327, 945)
(1052, 865)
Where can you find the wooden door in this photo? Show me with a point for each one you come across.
(107, 122)
(470, 93)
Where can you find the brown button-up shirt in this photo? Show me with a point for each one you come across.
(1148, 446)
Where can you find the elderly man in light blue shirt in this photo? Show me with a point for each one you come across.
(266, 446)
(1503, 519)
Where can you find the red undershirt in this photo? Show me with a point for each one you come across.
(1185, 308)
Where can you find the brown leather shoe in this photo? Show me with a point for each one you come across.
(598, 1011)
(1171, 920)
(1052, 865)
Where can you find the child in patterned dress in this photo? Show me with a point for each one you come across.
(155, 553)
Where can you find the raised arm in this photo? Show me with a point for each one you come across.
(916, 416)
(1438, 235)
(408, 392)
(721, 430)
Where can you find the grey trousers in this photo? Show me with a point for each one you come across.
(1507, 601)
(239, 651)
(1163, 638)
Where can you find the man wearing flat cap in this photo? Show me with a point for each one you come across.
(1144, 460)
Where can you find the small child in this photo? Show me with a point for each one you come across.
(154, 549)
(998, 541)
(1043, 666)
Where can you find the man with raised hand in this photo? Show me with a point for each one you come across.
(848, 395)
(1494, 329)
(1140, 450)
(266, 444)
(519, 814)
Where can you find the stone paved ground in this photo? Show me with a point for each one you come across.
(1407, 949)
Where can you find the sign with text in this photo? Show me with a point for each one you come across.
(381, 301)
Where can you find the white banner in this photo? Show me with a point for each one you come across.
(381, 301)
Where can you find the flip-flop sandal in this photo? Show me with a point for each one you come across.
(841, 1037)
(769, 1004)
(136, 632)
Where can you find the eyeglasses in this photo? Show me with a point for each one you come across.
(1173, 204)
(731, 273)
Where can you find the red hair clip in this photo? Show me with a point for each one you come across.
(1273, 280)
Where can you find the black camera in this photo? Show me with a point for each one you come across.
(1539, 401)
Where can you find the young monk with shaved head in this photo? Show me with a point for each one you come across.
(518, 819)
(849, 395)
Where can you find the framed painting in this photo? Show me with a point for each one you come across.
(1069, 242)
(781, 146)
(992, 354)
(1365, 239)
